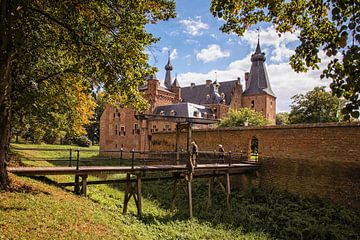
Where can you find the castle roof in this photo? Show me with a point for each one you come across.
(258, 78)
(184, 109)
(206, 94)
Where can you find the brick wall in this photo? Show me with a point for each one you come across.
(312, 159)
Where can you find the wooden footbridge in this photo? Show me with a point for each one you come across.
(138, 168)
(138, 165)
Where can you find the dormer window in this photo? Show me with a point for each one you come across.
(173, 113)
(196, 113)
(162, 113)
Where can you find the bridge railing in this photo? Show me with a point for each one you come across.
(76, 157)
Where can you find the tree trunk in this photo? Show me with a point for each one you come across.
(6, 55)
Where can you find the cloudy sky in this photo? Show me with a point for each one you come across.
(199, 49)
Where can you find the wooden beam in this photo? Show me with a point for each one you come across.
(210, 191)
(139, 204)
(177, 145)
(83, 185)
(127, 193)
(228, 191)
(189, 191)
(77, 186)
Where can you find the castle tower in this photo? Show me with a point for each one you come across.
(168, 79)
(175, 88)
(258, 94)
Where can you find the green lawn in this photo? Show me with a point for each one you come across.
(38, 211)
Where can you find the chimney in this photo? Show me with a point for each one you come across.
(208, 82)
(192, 85)
(247, 74)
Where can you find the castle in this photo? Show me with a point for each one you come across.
(120, 129)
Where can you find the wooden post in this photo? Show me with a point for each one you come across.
(84, 184)
(77, 186)
(228, 191)
(174, 192)
(210, 190)
(190, 195)
(127, 194)
(177, 144)
(139, 204)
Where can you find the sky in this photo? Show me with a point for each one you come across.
(200, 51)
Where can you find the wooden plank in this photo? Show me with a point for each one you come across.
(87, 170)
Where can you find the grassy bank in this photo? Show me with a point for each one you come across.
(34, 210)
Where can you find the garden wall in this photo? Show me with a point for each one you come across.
(310, 159)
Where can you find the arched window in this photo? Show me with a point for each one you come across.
(254, 146)
(253, 104)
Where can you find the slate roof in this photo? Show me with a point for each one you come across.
(183, 110)
(258, 78)
(205, 94)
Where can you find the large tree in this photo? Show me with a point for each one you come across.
(315, 106)
(48, 47)
(241, 117)
(330, 25)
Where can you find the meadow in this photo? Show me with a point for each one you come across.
(34, 209)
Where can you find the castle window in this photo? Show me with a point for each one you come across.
(114, 115)
(122, 131)
(196, 113)
(136, 129)
(167, 127)
(118, 114)
(154, 128)
(271, 104)
(116, 129)
(253, 104)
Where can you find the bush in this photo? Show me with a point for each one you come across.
(81, 141)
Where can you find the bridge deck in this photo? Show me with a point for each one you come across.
(84, 170)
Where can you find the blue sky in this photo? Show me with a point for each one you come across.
(199, 49)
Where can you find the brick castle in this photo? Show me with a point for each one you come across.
(120, 129)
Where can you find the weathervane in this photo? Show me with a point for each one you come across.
(215, 76)
(258, 31)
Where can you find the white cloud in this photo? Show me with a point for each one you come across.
(194, 26)
(173, 54)
(212, 53)
(269, 37)
(284, 81)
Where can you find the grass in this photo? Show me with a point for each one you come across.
(34, 210)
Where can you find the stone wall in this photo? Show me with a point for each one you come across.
(310, 160)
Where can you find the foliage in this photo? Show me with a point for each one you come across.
(93, 128)
(82, 141)
(282, 118)
(237, 118)
(54, 53)
(255, 214)
(333, 26)
(315, 106)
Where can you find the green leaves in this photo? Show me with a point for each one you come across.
(237, 118)
(331, 26)
(315, 106)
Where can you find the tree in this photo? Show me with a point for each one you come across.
(93, 128)
(48, 47)
(315, 106)
(330, 25)
(282, 118)
(237, 118)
